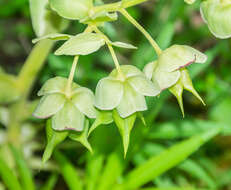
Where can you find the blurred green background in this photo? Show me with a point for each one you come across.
(170, 22)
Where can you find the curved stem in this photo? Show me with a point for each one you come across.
(113, 54)
(141, 29)
(71, 75)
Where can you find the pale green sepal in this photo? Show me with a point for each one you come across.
(149, 69)
(140, 115)
(108, 93)
(45, 21)
(81, 44)
(179, 56)
(125, 126)
(144, 86)
(53, 36)
(54, 85)
(165, 79)
(4, 116)
(68, 118)
(103, 118)
(82, 137)
(123, 45)
(49, 105)
(177, 91)
(127, 70)
(71, 9)
(131, 102)
(188, 85)
(83, 99)
(9, 91)
(189, 1)
(216, 14)
(53, 139)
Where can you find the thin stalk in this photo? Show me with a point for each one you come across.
(71, 75)
(112, 7)
(32, 66)
(142, 30)
(113, 54)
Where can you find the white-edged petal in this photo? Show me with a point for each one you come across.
(165, 79)
(179, 56)
(49, 105)
(149, 69)
(131, 102)
(68, 118)
(83, 99)
(144, 86)
(108, 93)
(127, 70)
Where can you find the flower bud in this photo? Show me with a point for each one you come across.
(169, 71)
(125, 92)
(68, 111)
(216, 13)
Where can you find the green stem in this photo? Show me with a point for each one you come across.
(71, 76)
(113, 54)
(142, 30)
(32, 66)
(112, 7)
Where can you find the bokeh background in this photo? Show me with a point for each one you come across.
(169, 22)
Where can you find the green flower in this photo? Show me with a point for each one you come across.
(124, 92)
(67, 112)
(169, 71)
(216, 13)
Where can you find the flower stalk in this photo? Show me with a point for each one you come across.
(142, 30)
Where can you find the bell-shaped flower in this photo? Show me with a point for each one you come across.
(125, 91)
(216, 13)
(169, 71)
(67, 111)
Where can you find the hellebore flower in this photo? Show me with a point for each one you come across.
(169, 71)
(67, 111)
(124, 92)
(216, 13)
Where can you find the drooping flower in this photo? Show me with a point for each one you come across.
(125, 92)
(67, 111)
(216, 13)
(169, 71)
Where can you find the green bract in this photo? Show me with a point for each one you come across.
(45, 21)
(216, 13)
(126, 93)
(169, 70)
(72, 9)
(68, 111)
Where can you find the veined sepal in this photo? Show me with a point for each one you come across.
(53, 139)
(124, 125)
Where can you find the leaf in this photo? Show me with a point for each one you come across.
(103, 118)
(8, 88)
(45, 21)
(54, 36)
(82, 137)
(112, 171)
(50, 183)
(125, 126)
(81, 44)
(123, 45)
(166, 160)
(53, 139)
(68, 172)
(8, 177)
(71, 9)
(24, 172)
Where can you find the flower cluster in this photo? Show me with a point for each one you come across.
(169, 71)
